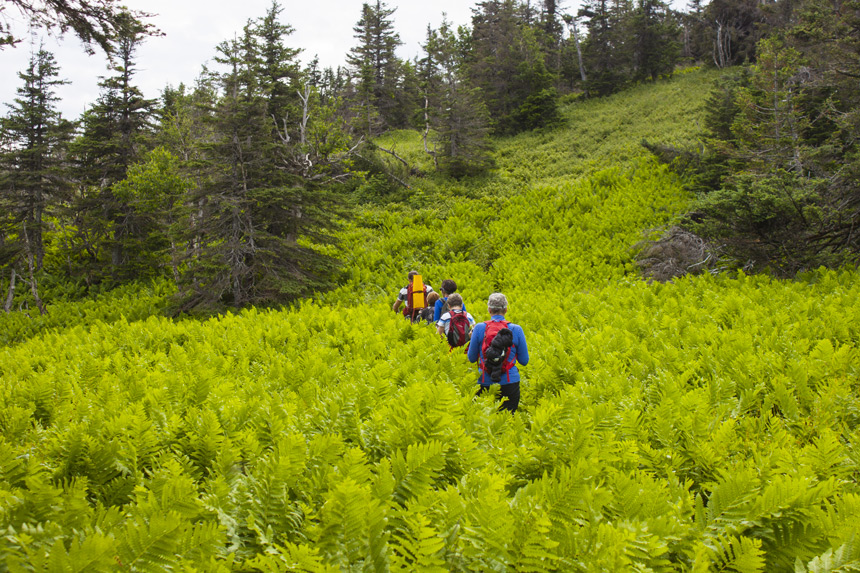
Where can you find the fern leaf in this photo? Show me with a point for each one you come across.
(153, 545)
(843, 559)
(291, 558)
(739, 554)
(416, 471)
(534, 550)
(418, 546)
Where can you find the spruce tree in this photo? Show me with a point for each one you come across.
(258, 206)
(376, 69)
(507, 65)
(34, 177)
(655, 30)
(454, 110)
(114, 136)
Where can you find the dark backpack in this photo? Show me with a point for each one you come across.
(459, 329)
(498, 340)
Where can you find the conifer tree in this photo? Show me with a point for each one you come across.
(277, 65)
(96, 22)
(258, 203)
(607, 52)
(377, 71)
(114, 137)
(454, 110)
(655, 47)
(33, 179)
(507, 65)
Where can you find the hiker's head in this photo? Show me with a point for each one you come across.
(455, 301)
(432, 298)
(411, 275)
(497, 303)
(448, 287)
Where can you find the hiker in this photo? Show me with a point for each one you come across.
(426, 314)
(407, 296)
(447, 288)
(498, 345)
(456, 324)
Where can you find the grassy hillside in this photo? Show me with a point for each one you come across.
(703, 425)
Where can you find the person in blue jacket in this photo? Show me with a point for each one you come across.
(447, 288)
(518, 353)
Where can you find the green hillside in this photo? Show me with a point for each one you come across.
(703, 425)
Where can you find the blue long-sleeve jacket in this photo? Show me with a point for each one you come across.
(518, 353)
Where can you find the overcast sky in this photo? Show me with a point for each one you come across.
(193, 28)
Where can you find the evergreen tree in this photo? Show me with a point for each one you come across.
(258, 205)
(655, 32)
(93, 22)
(607, 51)
(377, 70)
(114, 137)
(507, 65)
(454, 110)
(277, 65)
(735, 28)
(33, 177)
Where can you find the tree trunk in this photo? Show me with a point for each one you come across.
(11, 296)
(575, 34)
(34, 287)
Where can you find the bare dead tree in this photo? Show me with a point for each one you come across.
(304, 95)
(34, 287)
(11, 294)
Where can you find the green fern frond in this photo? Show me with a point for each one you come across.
(201, 543)
(352, 528)
(843, 559)
(416, 471)
(94, 554)
(13, 465)
(417, 545)
(534, 551)
(738, 554)
(152, 545)
(730, 501)
(291, 558)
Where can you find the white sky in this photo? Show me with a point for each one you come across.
(194, 27)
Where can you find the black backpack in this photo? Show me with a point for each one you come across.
(459, 329)
(496, 353)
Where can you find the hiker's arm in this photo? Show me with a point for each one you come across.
(475, 344)
(522, 348)
(396, 305)
(440, 329)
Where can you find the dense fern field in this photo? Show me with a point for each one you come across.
(703, 425)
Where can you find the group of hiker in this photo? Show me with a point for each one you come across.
(496, 345)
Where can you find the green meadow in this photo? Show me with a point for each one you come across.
(706, 424)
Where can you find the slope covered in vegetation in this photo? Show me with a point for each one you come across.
(707, 424)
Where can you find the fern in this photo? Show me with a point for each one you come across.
(291, 558)
(417, 470)
(739, 554)
(534, 551)
(843, 559)
(417, 546)
(152, 545)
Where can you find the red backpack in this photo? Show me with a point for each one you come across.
(459, 329)
(492, 328)
(411, 310)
